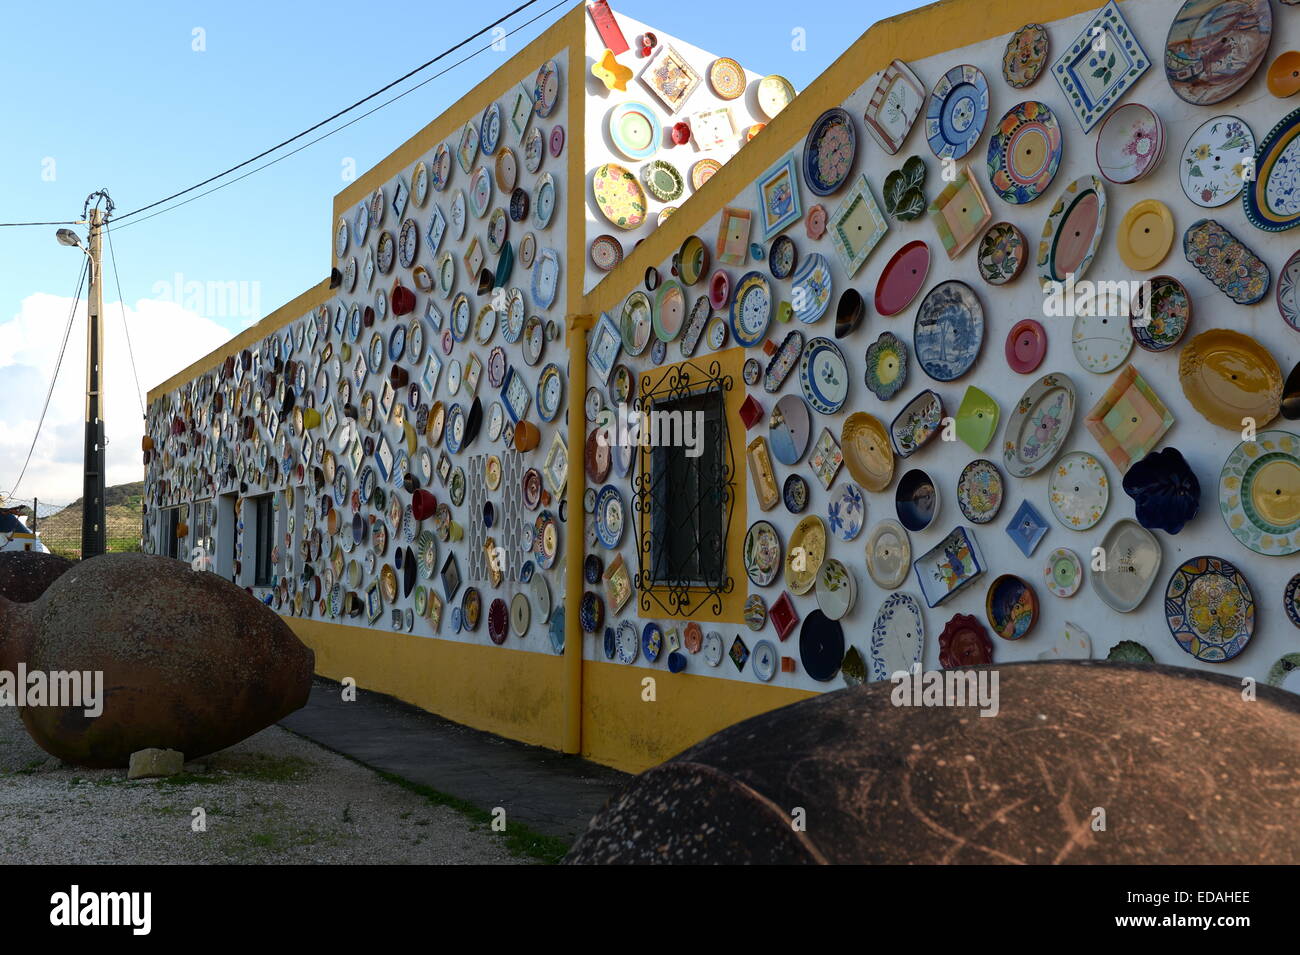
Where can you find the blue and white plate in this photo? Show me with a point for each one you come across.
(810, 289)
(956, 112)
(949, 331)
(847, 511)
(824, 375)
(652, 641)
(610, 516)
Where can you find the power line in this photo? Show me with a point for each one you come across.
(76, 300)
(10, 225)
(330, 119)
(122, 304)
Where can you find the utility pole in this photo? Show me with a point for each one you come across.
(92, 495)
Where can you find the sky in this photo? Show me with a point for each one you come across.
(147, 98)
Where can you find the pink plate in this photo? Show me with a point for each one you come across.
(902, 278)
(557, 140)
(1026, 346)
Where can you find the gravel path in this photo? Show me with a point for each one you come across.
(274, 798)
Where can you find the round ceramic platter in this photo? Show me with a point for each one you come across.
(1078, 491)
(1063, 573)
(917, 500)
(627, 642)
(669, 310)
(703, 171)
(886, 362)
(805, 554)
(774, 94)
(902, 278)
(609, 516)
(727, 77)
(811, 288)
(821, 646)
(956, 112)
(949, 331)
(1145, 235)
(713, 649)
(606, 252)
(1164, 324)
(1271, 199)
(762, 553)
(782, 257)
(889, 554)
(634, 129)
(1214, 47)
(764, 660)
(1130, 143)
(867, 452)
(1025, 55)
(1288, 301)
(829, 151)
(1101, 342)
(897, 636)
(663, 180)
(979, 491)
(546, 90)
(619, 196)
(1259, 493)
(1210, 609)
(795, 493)
(1132, 561)
(1024, 152)
(751, 309)
(1211, 166)
(1002, 253)
(1026, 345)
(1229, 377)
(846, 511)
(1291, 600)
(636, 322)
(789, 429)
(837, 589)
(1073, 231)
(1038, 426)
(540, 593)
(824, 376)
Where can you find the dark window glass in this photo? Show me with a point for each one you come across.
(265, 542)
(688, 544)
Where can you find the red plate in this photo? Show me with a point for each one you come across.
(902, 278)
(1026, 346)
(498, 617)
(783, 615)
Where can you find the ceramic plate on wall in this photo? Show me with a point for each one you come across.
(1024, 152)
(1101, 343)
(1073, 231)
(895, 103)
(1198, 64)
(1063, 572)
(948, 568)
(805, 554)
(956, 111)
(1259, 493)
(1011, 607)
(619, 196)
(811, 288)
(867, 452)
(917, 423)
(789, 429)
(979, 491)
(897, 636)
(837, 589)
(829, 151)
(902, 278)
(1288, 284)
(1162, 324)
(1211, 168)
(634, 129)
(1129, 419)
(1100, 65)
(886, 362)
(1038, 425)
(824, 376)
(1026, 346)
(762, 553)
(1132, 561)
(1228, 377)
(948, 331)
(1002, 253)
(1130, 143)
(1224, 259)
(1025, 55)
(1079, 491)
(1271, 200)
(889, 554)
(1210, 609)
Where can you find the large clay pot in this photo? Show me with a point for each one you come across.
(26, 574)
(190, 661)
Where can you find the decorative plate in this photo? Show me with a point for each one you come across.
(627, 641)
(1212, 169)
(1223, 259)
(960, 213)
(1011, 607)
(846, 511)
(889, 554)
(1038, 426)
(904, 194)
(1063, 573)
(1025, 55)
(1229, 377)
(1027, 528)
(902, 278)
(916, 500)
(837, 589)
(1145, 234)
(782, 258)
(636, 322)
(1214, 47)
(866, 450)
(751, 309)
(1166, 493)
(775, 93)
(1132, 561)
(948, 331)
(713, 649)
(795, 493)
(895, 103)
(544, 200)
(949, 567)
(977, 419)
(765, 660)
(546, 278)
(897, 637)
(811, 287)
(703, 171)
(669, 311)
(1002, 253)
(609, 516)
(546, 90)
(826, 459)
(824, 375)
(670, 76)
(857, 226)
(1024, 152)
(979, 491)
(1210, 609)
(1259, 493)
(917, 423)
(1072, 231)
(1078, 491)
(956, 112)
(805, 554)
(964, 643)
(789, 429)
(886, 362)
(727, 77)
(1291, 600)
(1288, 285)
(1269, 199)
(783, 362)
(1130, 143)
(662, 180)
(1100, 66)
(762, 553)
(550, 392)
(829, 151)
(1160, 325)
(1101, 343)
(619, 196)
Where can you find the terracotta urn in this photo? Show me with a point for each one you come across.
(189, 660)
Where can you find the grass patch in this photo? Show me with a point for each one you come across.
(190, 779)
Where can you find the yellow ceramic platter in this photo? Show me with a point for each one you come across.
(804, 556)
(1145, 235)
(619, 196)
(1229, 377)
(867, 451)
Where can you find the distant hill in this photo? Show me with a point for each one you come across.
(61, 531)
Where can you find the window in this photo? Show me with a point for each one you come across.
(264, 531)
(171, 520)
(689, 519)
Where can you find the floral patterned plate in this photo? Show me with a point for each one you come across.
(829, 151)
(1002, 253)
(1039, 425)
(1212, 169)
(837, 590)
(1063, 572)
(1025, 55)
(979, 491)
(619, 196)
(1288, 286)
(847, 511)
(1101, 343)
(1078, 491)
(804, 557)
(1024, 152)
(917, 423)
(1271, 199)
(1223, 259)
(1210, 609)
(897, 636)
(1130, 143)
(1259, 493)
(1161, 325)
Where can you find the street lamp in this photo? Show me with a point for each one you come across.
(68, 237)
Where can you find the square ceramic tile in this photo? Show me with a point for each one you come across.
(960, 213)
(1100, 66)
(857, 226)
(1129, 420)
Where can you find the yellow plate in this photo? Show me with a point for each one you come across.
(760, 464)
(774, 94)
(867, 451)
(804, 556)
(1145, 235)
(1229, 377)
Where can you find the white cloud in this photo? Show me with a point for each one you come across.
(166, 338)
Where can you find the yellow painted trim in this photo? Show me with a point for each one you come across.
(575, 145)
(510, 692)
(575, 540)
(622, 729)
(731, 361)
(909, 36)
